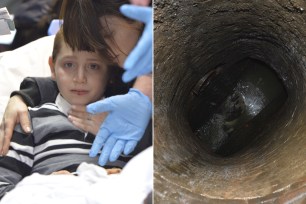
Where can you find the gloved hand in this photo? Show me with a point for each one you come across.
(124, 126)
(139, 61)
(54, 26)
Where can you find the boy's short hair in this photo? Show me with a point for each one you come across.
(115, 85)
(59, 38)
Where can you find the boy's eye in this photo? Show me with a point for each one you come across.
(68, 65)
(94, 66)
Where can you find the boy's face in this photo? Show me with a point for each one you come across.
(125, 35)
(81, 76)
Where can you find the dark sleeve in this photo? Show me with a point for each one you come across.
(146, 140)
(18, 162)
(115, 85)
(37, 90)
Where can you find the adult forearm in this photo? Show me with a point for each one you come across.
(144, 84)
(29, 92)
(37, 90)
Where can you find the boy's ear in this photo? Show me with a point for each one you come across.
(51, 65)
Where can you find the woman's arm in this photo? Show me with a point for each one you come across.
(37, 90)
(16, 112)
(144, 84)
(33, 91)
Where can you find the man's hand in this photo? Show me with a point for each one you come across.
(125, 125)
(16, 112)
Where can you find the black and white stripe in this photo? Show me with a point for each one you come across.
(55, 144)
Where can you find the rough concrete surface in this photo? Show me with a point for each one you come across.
(193, 37)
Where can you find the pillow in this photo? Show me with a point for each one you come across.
(28, 60)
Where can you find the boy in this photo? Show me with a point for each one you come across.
(89, 27)
(55, 143)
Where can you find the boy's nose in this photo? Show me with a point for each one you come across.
(79, 76)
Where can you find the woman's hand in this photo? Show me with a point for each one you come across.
(108, 171)
(86, 121)
(16, 112)
(61, 172)
(113, 171)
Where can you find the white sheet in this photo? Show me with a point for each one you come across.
(92, 186)
(28, 60)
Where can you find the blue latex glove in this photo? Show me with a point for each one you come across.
(139, 61)
(54, 27)
(124, 126)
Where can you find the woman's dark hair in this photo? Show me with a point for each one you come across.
(82, 27)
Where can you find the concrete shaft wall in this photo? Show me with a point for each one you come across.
(192, 38)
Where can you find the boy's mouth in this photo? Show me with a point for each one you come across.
(79, 92)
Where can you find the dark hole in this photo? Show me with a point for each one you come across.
(230, 106)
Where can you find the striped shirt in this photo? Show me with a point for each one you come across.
(55, 144)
